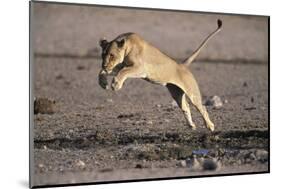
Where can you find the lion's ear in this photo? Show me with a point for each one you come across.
(121, 43)
(103, 43)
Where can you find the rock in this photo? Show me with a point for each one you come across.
(42, 168)
(214, 101)
(158, 105)
(138, 166)
(149, 122)
(126, 121)
(167, 120)
(262, 155)
(245, 84)
(183, 163)
(80, 67)
(210, 164)
(60, 76)
(79, 163)
(45, 147)
(50, 134)
(193, 163)
(174, 104)
(44, 106)
(71, 131)
(40, 165)
(250, 108)
(125, 116)
(109, 100)
(69, 162)
(239, 162)
(61, 169)
(249, 157)
(252, 156)
(216, 137)
(252, 99)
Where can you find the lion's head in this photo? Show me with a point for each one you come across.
(113, 53)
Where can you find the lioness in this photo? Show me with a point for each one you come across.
(130, 56)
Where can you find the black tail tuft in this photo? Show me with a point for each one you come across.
(219, 23)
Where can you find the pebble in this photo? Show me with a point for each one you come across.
(214, 101)
(252, 156)
(262, 155)
(167, 120)
(158, 105)
(60, 76)
(40, 165)
(139, 166)
(216, 138)
(210, 164)
(174, 104)
(80, 67)
(149, 122)
(61, 169)
(80, 164)
(126, 121)
(109, 100)
(193, 163)
(183, 163)
(71, 131)
(44, 106)
(252, 99)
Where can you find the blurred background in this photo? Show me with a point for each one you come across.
(75, 31)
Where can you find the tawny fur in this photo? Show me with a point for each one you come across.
(130, 56)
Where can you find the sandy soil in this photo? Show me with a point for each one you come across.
(114, 131)
(96, 135)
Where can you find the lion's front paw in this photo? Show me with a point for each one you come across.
(115, 85)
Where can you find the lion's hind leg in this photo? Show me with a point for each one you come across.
(192, 92)
(197, 102)
(179, 96)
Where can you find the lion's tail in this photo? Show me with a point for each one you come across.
(190, 59)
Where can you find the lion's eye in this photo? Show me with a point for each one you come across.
(111, 56)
